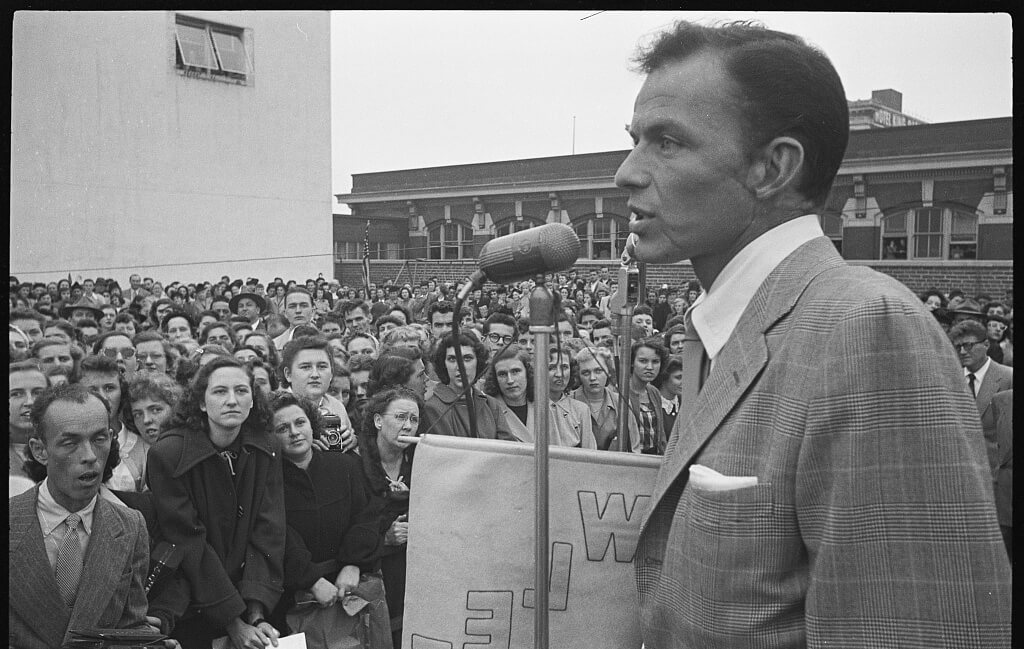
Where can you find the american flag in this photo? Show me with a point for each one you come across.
(366, 259)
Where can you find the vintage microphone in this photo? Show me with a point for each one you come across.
(513, 258)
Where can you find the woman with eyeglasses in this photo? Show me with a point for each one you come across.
(216, 479)
(332, 538)
(387, 465)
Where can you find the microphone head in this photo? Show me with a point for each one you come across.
(516, 257)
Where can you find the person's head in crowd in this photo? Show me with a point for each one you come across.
(956, 296)
(205, 318)
(178, 326)
(88, 330)
(934, 299)
(20, 344)
(53, 352)
(221, 306)
(262, 343)
(524, 338)
(361, 343)
(102, 375)
(646, 357)
(218, 333)
(995, 326)
(397, 370)
(693, 290)
(675, 321)
(153, 353)
(510, 376)
(151, 401)
(994, 309)
(29, 321)
(595, 367)
(341, 384)
(332, 323)
(204, 354)
(109, 315)
(673, 338)
(74, 441)
(158, 310)
(970, 339)
(474, 356)
(440, 316)
(306, 366)
(298, 307)
(589, 316)
(263, 376)
(248, 305)
(967, 309)
(561, 367)
(296, 422)
(944, 318)
(389, 416)
(25, 382)
(499, 332)
(222, 400)
(411, 336)
(386, 323)
(643, 320)
(245, 353)
(60, 330)
(359, 374)
(670, 380)
(339, 350)
(118, 347)
(357, 316)
(567, 326)
(400, 313)
(305, 330)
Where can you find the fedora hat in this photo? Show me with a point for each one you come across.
(83, 303)
(260, 302)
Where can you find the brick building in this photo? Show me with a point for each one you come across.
(929, 204)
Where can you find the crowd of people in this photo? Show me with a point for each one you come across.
(265, 431)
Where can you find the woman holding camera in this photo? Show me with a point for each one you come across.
(307, 370)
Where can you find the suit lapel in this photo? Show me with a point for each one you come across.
(994, 380)
(102, 565)
(33, 589)
(741, 360)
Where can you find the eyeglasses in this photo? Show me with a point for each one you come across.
(496, 338)
(405, 417)
(125, 352)
(145, 356)
(967, 346)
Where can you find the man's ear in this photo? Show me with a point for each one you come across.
(38, 449)
(777, 166)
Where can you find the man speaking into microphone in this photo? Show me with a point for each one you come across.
(826, 483)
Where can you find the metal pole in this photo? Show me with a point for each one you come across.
(542, 325)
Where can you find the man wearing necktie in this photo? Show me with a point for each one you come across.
(77, 561)
(826, 484)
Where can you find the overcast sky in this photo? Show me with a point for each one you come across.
(428, 88)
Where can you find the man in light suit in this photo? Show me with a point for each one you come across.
(826, 481)
(99, 584)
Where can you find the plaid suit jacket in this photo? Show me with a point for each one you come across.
(872, 523)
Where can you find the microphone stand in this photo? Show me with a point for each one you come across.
(622, 324)
(542, 325)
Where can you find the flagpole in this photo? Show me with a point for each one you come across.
(366, 261)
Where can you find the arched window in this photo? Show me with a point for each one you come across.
(449, 241)
(511, 226)
(930, 233)
(602, 238)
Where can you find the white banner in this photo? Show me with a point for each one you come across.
(471, 546)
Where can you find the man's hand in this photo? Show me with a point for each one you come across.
(154, 623)
(324, 592)
(347, 580)
(246, 636)
(398, 533)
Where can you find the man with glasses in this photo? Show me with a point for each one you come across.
(499, 332)
(152, 352)
(298, 308)
(118, 347)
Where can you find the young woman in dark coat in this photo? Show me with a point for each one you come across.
(217, 486)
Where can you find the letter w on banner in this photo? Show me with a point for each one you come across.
(471, 546)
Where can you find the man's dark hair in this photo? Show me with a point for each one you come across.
(204, 335)
(27, 314)
(968, 328)
(384, 319)
(499, 318)
(591, 311)
(783, 87)
(66, 326)
(643, 309)
(349, 306)
(465, 340)
(441, 306)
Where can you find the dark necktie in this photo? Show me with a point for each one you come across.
(68, 567)
(970, 382)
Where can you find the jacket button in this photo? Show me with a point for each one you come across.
(241, 511)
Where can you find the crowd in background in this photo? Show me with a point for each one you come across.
(276, 418)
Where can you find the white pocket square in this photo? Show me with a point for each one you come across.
(701, 477)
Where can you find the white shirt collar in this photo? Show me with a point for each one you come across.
(979, 376)
(716, 312)
(51, 513)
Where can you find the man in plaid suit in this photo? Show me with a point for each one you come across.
(826, 483)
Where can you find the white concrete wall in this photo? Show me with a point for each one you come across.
(119, 164)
